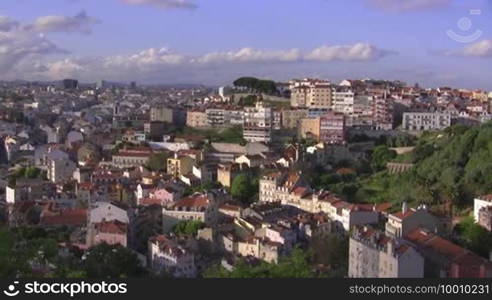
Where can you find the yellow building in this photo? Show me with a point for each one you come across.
(196, 119)
(309, 128)
(178, 166)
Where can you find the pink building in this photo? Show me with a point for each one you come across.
(332, 128)
(112, 233)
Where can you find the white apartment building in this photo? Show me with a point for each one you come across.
(374, 255)
(60, 169)
(419, 121)
(169, 256)
(343, 101)
(258, 123)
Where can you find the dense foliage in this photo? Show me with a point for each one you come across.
(257, 85)
(453, 166)
(296, 265)
(189, 228)
(244, 188)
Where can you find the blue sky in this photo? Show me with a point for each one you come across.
(215, 41)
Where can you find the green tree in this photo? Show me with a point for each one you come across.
(158, 161)
(381, 156)
(244, 189)
(108, 261)
(190, 227)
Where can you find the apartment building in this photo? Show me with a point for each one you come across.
(311, 93)
(171, 256)
(420, 121)
(332, 128)
(374, 255)
(258, 123)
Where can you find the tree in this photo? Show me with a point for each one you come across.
(474, 237)
(243, 188)
(296, 265)
(381, 156)
(109, 261)
(158, 161)
(188, 227)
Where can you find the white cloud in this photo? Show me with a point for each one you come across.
(479, 49)
(17, 45)
(164, 4)
(408, 5)
(156, 64)
(250, 55)
(80, 23)
(356, 52)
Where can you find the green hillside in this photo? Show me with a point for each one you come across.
(452, 166)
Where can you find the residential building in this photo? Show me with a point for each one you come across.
(180, 165)
(401, 223)
(132, 157)
(420, 121)
(198, 207)
(110, 232)
(332, 128)
(479, 203)
(258, 123)
(310, 128)
(374, 255)
(196, 119)
(292, 117)
(169, 256)
(445, 259)
(311, 93)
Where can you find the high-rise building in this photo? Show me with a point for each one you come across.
(332, 128)
(70, 84)
(258, 123)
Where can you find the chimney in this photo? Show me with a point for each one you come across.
(404, 207)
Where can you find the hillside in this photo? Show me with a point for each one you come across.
(451, 167)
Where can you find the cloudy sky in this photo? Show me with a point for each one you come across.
(433, 42)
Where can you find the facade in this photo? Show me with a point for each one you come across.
(258, 123)
(166, 255)
(480, 203)
(419, 121)
(311, 93)
(172, 115)
(445, 259)
(290, 118)
(310, 128)
(60, 169)
(402, 223)
(127, 158)
(343, 100)
(198, 207)
(382, 113)
(110, 232)
(332, 128)
(196, 119)
(180, 165)
(374, 255)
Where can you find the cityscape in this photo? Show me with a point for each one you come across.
(310, 162)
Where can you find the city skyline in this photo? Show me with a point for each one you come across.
(214, 42)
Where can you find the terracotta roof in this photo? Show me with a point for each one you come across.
(444, 247)
(69, 217)
(400, 215)
(115, 227)
(196, 201)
